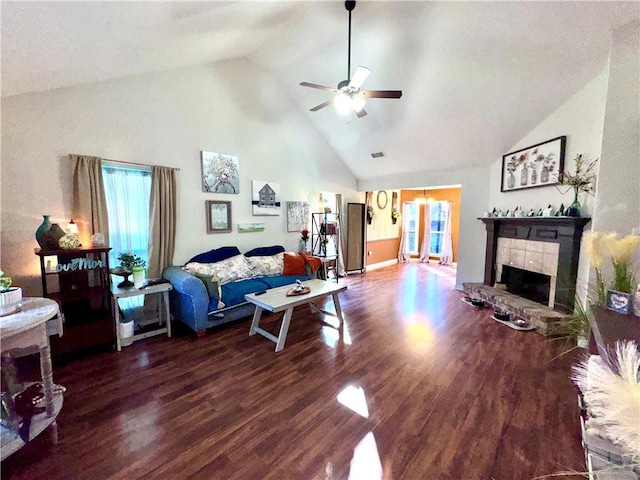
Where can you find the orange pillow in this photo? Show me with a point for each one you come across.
(314, 262)
(293, 265)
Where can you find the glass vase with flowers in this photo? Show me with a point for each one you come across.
(582, 180)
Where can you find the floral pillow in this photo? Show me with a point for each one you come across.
(263, 266)
(225, 271)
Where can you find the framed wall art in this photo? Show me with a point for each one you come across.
(297, 216)
(220, 173)
(265, 198)
(250, 227)
(535, 166)
(218, 216)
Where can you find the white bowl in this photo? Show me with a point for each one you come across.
(10, 300)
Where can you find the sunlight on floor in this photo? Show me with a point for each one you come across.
(354, 399)
(420, 337)
(331, 334)
(365, 464)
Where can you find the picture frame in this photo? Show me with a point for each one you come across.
(297, 216)
(218, 216)
(619, 302)
(251, 227)
(536, 166)
(220, 173)
(382, 199)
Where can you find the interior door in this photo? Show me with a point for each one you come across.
(355, 237)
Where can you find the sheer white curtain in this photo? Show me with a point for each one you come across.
(403, 251)
(425, 246)
(446, 255)
(128, 193)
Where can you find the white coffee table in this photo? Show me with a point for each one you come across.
(276, 300)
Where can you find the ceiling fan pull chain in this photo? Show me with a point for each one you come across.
(349, 52)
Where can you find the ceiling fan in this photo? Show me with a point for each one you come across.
(348, 95)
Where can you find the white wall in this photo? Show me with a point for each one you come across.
(166, 118)
(580, 118)
(618, 201)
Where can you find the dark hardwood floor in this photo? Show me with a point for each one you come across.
(450, 394)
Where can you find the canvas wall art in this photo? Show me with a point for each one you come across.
(249, 227)
(265, 198)
(220, 173)
(297, 216)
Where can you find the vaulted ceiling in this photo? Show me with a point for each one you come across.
(476, 76)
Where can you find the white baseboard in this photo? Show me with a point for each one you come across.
(386, 263)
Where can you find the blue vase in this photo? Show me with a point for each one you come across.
(42, 229)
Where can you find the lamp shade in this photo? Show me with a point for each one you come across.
(72, 227)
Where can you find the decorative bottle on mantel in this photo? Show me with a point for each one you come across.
(42, 229)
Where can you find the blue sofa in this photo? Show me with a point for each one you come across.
(202, 301)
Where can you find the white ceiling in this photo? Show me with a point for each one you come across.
(476, 76)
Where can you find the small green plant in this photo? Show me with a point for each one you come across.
(129, 260)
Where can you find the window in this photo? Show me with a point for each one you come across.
(128, 194)
(438, 218)
(411, 210)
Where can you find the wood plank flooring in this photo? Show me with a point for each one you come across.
(450, 394)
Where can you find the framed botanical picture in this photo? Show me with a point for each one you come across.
(220, 173)
(619, 302)
(218, 216)
(297, 216)
(536, 166)
(265, 198)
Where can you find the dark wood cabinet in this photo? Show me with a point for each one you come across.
(78, 279)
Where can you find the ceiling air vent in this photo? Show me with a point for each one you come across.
(377, 154)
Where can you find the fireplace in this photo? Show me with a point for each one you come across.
(532, 285)
(547, 246)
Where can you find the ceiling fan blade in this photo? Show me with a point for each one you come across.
(359, 77)
(361, 113)
(382, 93)
(322, 105)
(319, 87)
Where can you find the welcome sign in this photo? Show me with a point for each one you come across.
(79, 264)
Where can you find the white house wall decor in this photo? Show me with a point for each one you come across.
(297, 216)
(220, 173)
(536, 166)
(265, 198)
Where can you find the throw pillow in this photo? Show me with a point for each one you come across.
(265, 266)
(225, 271)
(314, 262)
(293, 265)
(212, 287)
(215, 255)
(265, 251)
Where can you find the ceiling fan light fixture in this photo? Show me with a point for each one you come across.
(357, 102)
(343, 104)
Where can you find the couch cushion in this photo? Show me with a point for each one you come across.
(225, 271)
(212, 287)
(314, 262)
(267, 265)
(265, 251)
(293, 265)
(215, 255)
(233, 293)
(280, 280)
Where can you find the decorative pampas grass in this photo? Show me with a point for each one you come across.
(611, 390)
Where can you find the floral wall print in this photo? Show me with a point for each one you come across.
(535, 166)
(265, 198)
(218, 216)
(297, 216)
(220, 173)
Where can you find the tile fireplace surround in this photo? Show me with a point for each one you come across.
(548, 245)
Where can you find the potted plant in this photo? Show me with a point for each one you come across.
(10, 297)
(583, 180)
(370, 214)
(304, 238)
(129, 263)
(395, 215)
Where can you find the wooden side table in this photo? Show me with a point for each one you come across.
(163, 314)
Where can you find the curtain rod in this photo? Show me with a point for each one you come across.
(134, 163)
